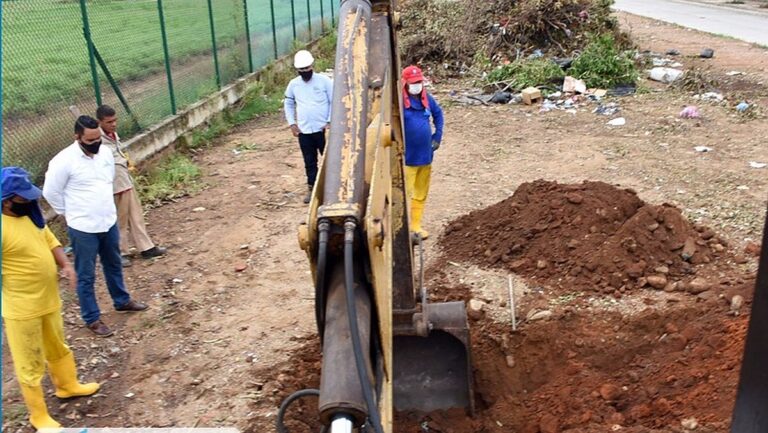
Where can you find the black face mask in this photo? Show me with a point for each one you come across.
(91, 148)
(22, 209)
(306, 75)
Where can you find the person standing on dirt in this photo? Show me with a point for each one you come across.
(308, 112)
(31, 302)
(420, 141)
(78, 185)
(130, 214)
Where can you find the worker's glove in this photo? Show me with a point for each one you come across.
(435, 145)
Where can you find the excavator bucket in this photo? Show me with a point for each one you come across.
(434, 372)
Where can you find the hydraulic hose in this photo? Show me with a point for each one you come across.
(287, 402)
(349, 283)
(323, 228)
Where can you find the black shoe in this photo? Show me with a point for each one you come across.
(153, 252)
(132, 307)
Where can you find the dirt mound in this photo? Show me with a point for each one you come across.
(455, 32)
(589, 236)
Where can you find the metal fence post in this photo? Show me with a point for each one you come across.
(309, 20)
(333, 15)
(213, 42)
(167, 56)
(248, 35)
(293, 19)
(91, 56)
(322, 18)
(274, 25)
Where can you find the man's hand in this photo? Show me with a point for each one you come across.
(68, 273)
(328, 126)
(435, 145)
(295, 130)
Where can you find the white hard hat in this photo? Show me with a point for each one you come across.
(303, 59)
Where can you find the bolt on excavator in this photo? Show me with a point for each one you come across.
(385, 347)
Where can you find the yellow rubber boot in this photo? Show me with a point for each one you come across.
(38, 411)
(64, 377)
(417, 211)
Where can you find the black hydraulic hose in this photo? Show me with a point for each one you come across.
(362, 371)
(287, 402)
(323, 228)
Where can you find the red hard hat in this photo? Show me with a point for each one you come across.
(412, 74)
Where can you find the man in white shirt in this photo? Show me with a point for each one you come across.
(78, 185)
(308, 112)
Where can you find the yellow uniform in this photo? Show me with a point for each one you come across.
(31, 301)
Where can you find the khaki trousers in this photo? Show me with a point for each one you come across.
(130, 219)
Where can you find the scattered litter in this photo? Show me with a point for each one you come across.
(619, 121)
(198, 209)
(563, 62)
(672, 52)
(555, 96)
(547, 105)
(703, 149)
(599, 93)
(129, 395)
(676, 65)
(537, 53)
(607, 109)
(742, 187)
(665, 75)
(572, 85)
(707, 53)
(742, 107)
(711, 96)
(501, 97)
(531, 95)
(623, 90)
(690, 112)
(755, 164)
(732, 73)
(177, 281)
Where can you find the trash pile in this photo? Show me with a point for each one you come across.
(452, 33)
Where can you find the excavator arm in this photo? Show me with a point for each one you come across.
(385, 346)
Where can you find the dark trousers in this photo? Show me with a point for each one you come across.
(310, 145)
(106, 246)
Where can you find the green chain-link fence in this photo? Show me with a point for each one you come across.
(146, 58)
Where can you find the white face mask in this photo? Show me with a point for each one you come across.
(415, 89)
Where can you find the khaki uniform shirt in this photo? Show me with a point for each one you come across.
(123, 181)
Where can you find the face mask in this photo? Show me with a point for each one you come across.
(306, 75)
(22, 209)
(91, 148)
(415, 89)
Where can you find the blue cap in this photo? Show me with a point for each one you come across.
(15, 181)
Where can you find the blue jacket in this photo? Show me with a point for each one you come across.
(418, 131)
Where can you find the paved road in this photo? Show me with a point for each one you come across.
(745, 25)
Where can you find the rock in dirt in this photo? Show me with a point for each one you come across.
(736, 303)
(198, 209)
(657, 281)
(698, 285)
(707, 53)
(752, 249)
(689, 423)
(689, 249)
(610, 392)
(475, 309)
(549, 424)
(510, 361)
(240, 267)
(535, 315)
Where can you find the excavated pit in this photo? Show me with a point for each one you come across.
(673, 362)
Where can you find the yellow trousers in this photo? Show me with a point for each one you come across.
(417, 184)
(33, 342)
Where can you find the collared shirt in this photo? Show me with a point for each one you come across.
(123, 181)
(310, 102)
(80, 188)
(30, 280)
